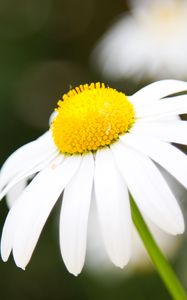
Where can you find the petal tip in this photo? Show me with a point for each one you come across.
(21, 266)
(4, 257)
(122, 263)
(74, 272)
(19, 261)
(181, 229)
(5, 253)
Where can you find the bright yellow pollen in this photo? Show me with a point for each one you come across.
(90, 117)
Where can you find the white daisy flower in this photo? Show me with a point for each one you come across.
(100, 144)
(150, 42)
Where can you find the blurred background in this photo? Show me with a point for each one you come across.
(46, 47)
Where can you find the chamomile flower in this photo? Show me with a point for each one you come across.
(150, 42)
(101, 145)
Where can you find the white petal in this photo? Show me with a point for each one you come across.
(26, 157)
(165, 107)
(28, 173)
(9, 228)
(165, 118)
(171, 131)
(52, 117)
(114, 209)
(15, 192)
(96, 257)
(158, 90)
(28, 216)
(149, 188)
(168, 156)
(74, 216)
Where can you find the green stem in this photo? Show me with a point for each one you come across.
(164, 269)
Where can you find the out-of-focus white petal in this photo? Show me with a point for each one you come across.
(27, 217)
(158, 90)
(168, 156)
(160, 42)
(74, 216)
(149, 188)
(15, 192)
(52, 116)
(171, 131)
(27, 157)
(113, 207)
(164, 107)
(107, 51)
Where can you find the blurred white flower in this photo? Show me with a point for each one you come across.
(150, 42)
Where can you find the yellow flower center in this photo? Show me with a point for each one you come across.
(90, 117)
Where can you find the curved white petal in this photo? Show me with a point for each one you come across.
(149, 188)
(168, 156)
(28, 173)
(74, 216)
(27, 217)
(52, 117)
(15, 192)
(26, 157)
(171, 131)
(9, 228)
(158, 90)
(113, 207)
(164, 107)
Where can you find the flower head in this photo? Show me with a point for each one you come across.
(90, 117)
(101, 145)
(149, 42)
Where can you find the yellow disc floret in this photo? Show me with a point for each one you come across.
(90, 117)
